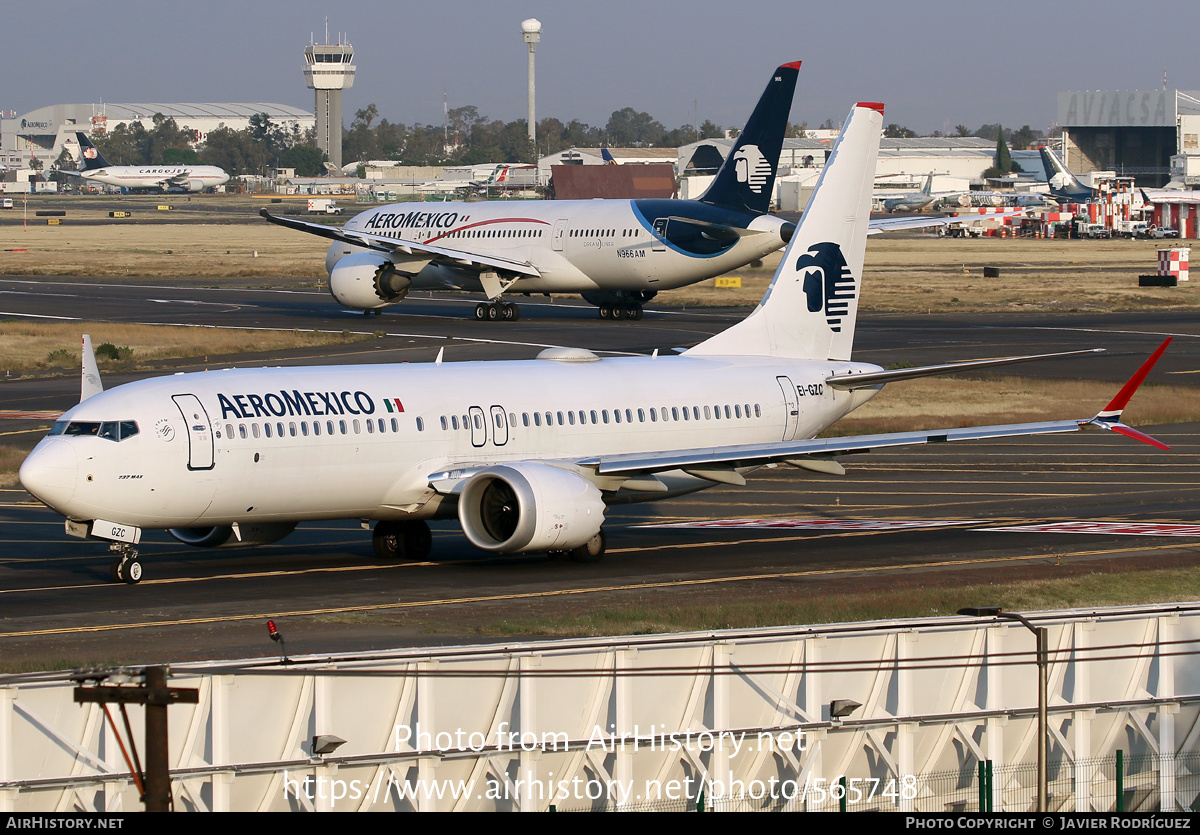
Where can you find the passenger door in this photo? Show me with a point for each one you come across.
(199, 431)
(791, 408)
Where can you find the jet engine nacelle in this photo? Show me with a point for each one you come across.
(195, 185)
(529, 507)
(223, 536)
(367, 280)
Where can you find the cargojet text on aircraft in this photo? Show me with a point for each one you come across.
(617, 254)
(145, 177)
(526, 454)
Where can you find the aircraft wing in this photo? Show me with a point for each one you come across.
(382, 243)
(720, 464)
(895, 224)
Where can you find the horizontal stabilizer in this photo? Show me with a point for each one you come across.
(849, 382)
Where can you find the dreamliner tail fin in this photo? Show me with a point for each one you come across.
(90, 155)
(746, 180)
(809, 310)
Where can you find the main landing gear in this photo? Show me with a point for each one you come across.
(125, 568)
(621, 311)
(407, 541)
(497, 311)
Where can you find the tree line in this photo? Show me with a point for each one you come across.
(467, 137)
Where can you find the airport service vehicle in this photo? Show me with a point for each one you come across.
(323, 206)
(145, 177)
(6, 202)
(526, 454)
(1162, 232)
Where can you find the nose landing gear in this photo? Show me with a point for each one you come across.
(125, 567)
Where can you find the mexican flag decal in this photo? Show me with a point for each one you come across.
(394, 405)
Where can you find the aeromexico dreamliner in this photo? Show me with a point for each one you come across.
(527, 454)
(145, 177)
(617, 253)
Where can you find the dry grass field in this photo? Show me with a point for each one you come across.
(215, 238)
(31, 346)
(924, 273)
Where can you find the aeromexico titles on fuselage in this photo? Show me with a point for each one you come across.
(296, 403)
(653, 215)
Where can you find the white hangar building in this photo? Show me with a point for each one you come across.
(40, 133)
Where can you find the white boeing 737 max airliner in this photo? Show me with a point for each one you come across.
(527, 454)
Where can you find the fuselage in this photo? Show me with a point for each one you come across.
(164, 177)
(576, 246)
(287, 445)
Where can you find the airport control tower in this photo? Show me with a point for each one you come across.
(329, 69)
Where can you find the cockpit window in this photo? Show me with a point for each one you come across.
(113, 430)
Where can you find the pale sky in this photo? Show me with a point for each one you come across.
(934, 64)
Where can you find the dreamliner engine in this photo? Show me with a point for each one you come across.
(529, 507)
(223, 536)
(367, 280)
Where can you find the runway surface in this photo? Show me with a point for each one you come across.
(329, 595)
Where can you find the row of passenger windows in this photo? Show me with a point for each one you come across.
(472, 233)
(597, 417)
(603, 233)
(304, 428)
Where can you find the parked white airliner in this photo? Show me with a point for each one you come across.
(527, 454)
(145, 177)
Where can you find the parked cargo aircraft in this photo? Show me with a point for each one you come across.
(527, 454)
(913, 201)
(147, 177)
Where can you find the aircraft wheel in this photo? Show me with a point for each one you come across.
(508, 312)
(590, 551)
(605, 311)
(516, 311)
(133, 572)
(394, 541)
(481, 312)
(115, 571)
(635, 313)
(493, 312)
(377, 312)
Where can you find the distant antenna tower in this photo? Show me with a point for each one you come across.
(531, 31)
(445, 120)
(329, 69)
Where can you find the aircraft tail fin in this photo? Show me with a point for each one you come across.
(90, 155)
(90, 383)
(1062, 182)
(746, 179)
(607, 157)
(809, 310)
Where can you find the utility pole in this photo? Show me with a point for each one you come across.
(147, 688)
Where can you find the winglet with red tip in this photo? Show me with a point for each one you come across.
(1110, 417)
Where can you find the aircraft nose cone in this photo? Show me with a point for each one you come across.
(51, 473)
